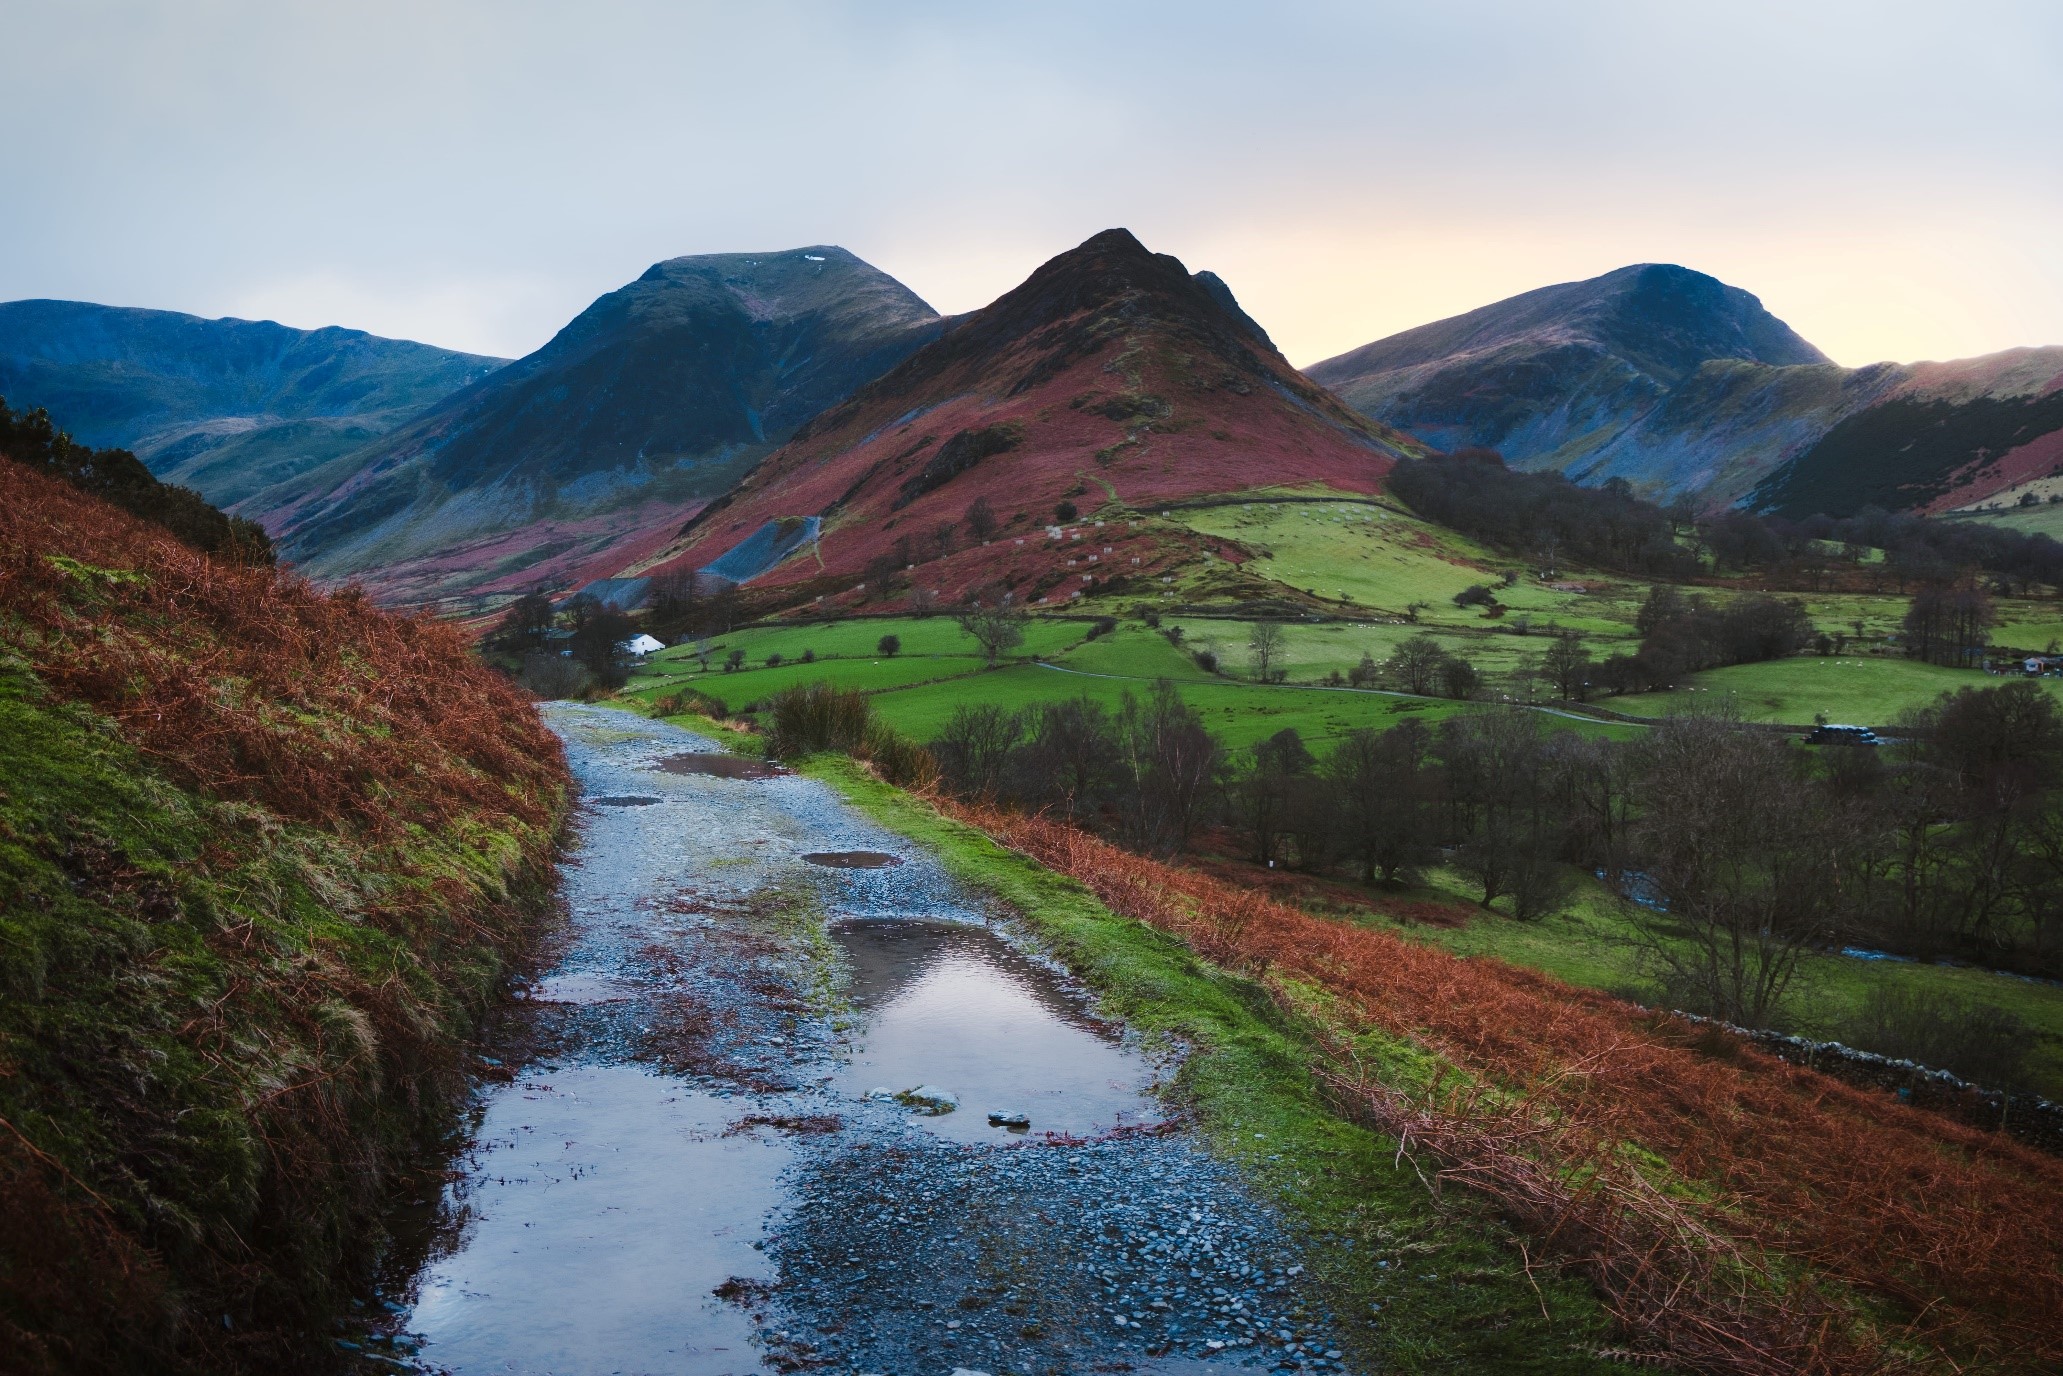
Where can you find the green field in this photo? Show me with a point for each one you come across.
(1594, 945)
(1399, 575)
(918, 693)
(1385, 560)
(2046, 519)
(1864, 690)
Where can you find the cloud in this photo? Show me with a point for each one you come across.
(476, 172)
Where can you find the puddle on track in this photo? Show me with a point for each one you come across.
(601, 1206)
(853, 859)
(719, 766)
(953, 1006)
(604, 1200)
(579, 988)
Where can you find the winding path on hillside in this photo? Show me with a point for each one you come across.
(693, 1164)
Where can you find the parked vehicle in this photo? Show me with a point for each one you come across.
(1841, 735)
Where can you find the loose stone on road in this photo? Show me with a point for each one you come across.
(693, 1168)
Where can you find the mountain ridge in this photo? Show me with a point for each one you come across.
(1687, 388)
(227, 406)
(1111, 373)
(653, 398)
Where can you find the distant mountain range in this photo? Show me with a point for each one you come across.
(1687, 387)
(654, 399)
(226, 406)
(1111, 375)
(736, 409)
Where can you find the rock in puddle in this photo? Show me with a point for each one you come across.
(929, 1099)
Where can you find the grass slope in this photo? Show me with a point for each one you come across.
(264, 856)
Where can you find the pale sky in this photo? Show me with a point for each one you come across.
(1886, 176)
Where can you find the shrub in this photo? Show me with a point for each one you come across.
(897, 758)
(547, 674)
(1207, 660)
(1102, 625)
(685, 700)
(773, 661)
(1064, 512)
(816, 716)
(1981, 1042)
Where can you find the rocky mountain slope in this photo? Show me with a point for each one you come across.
(653, 399)
(1687, 387)
(224, 406)
(1110, 378)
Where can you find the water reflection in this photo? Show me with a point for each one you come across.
(953, 1006)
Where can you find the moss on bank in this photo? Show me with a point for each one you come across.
(245, 934)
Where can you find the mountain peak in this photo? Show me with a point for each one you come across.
(1111, 373)
(659, 393)
(1553, 377)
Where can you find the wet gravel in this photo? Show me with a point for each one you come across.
(697, 963)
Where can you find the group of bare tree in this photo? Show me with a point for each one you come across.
(1148, 772)
(1734, 850)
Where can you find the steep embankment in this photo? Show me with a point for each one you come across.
(1110, 374)
(227, 407)
(1687, 387)
(263, 857)
(653, 399)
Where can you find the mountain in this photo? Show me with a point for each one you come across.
(1686, 387)
(655, 397)
(225, 406)
(1112, 378)
(1553, 377)
(1935, 437)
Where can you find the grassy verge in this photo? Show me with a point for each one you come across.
(1420, 1284)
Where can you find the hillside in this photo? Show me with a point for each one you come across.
(1111, 378)
(1687, 387)
(1944, 436)
(654, 398)
(265, 856)
(223, 406)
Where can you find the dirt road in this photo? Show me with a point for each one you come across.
(698, 1163)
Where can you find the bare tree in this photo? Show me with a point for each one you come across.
(1567, 666)
(997, 629)
(1740, 861)
(1415, 667)
(981, 518)
(973, 750)
(1382, 785)
(1264, 646)
(1170, 765)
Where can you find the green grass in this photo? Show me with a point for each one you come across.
(1594, 944)
(857, 638)
(917, 693)
(1384, 559)
(1864, 690)
(1453, 1295)
(2045, 519)
(169, 965)
(752, 685)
